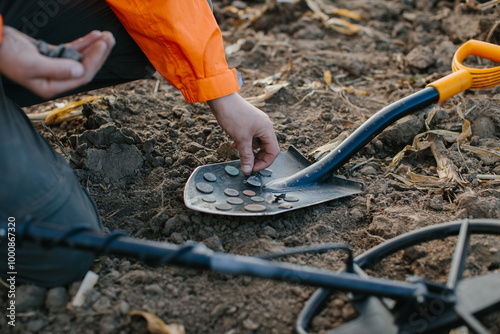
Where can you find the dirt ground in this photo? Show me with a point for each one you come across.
(135, 153)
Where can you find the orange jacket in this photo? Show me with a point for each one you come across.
(182, 40)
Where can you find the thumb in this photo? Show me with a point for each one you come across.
(246, 157)
(58, 69)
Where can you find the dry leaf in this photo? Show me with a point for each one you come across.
(269, 92)
(328, 77)
(56, 115)
(156, 326)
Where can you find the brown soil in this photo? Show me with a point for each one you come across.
(135, 156)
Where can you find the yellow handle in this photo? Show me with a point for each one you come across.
(465, 77)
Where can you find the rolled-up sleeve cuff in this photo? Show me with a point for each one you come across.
(210, 88)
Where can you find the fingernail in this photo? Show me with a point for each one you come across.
(76, 71)
(247, 169)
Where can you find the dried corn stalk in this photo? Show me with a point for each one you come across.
(269, 92)
(321, 11)
(323, 150)
(476, 5)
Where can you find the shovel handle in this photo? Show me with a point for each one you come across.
(465, 77)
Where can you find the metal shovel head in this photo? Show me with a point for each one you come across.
(223, 189)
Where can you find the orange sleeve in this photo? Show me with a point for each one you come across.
(1, 26)
(183, 42)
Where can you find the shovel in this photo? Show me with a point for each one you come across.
(292, 182)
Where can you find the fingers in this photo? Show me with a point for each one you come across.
(85, 41)
(56, 75)
(246, 157)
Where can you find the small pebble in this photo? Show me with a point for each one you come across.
(234, 200)
(204, 187)
(258, 199)
(209, 199)
(266, 172)
(233, 171)
(231, 192)
(291, 199)
(223, 207)
(248, 193)
(254, 181)
(210, 177)
(255, 207)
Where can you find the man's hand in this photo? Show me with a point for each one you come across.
(21, 62)
(250, 128)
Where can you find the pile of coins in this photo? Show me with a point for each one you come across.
(233, 197)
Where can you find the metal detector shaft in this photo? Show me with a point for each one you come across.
(198, 256)
(318, 171)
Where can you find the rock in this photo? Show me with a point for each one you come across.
(96, 116)
(29, 297)
(488, 207)
(421, 57)
(483, 127)
(177, 238)
(115, 163)
(214, 243)
(194, 147)
(158, 221)
(251, 325)
(436, 203)
(102, 304)
(414, 253)
(56, 299)
(36, 325)
(403, 131)
(270, 232)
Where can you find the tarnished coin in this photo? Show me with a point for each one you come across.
(223, 207)
(210, 177)
(285, 206)
(248, 193)
(234, 200)
(291, 199)
(254, 181)
(204, 187)
(233, 171)
(266, 172)
(255, 207)
(258, 199)
(231, 192)
(209, 199)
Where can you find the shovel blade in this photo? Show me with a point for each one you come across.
(213, 189)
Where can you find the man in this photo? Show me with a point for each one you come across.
(122, 41)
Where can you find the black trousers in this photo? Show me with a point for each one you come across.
(34, 179)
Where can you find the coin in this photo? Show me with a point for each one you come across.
(204, 187)
(248, 193)
(223, 207)
(233, 171)
(254, 181)
(234, 200)
(291, 199)
(231, 192)
(209, 199)
(258, 199)
(255, 207)
(210, 177)
(266, 172)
